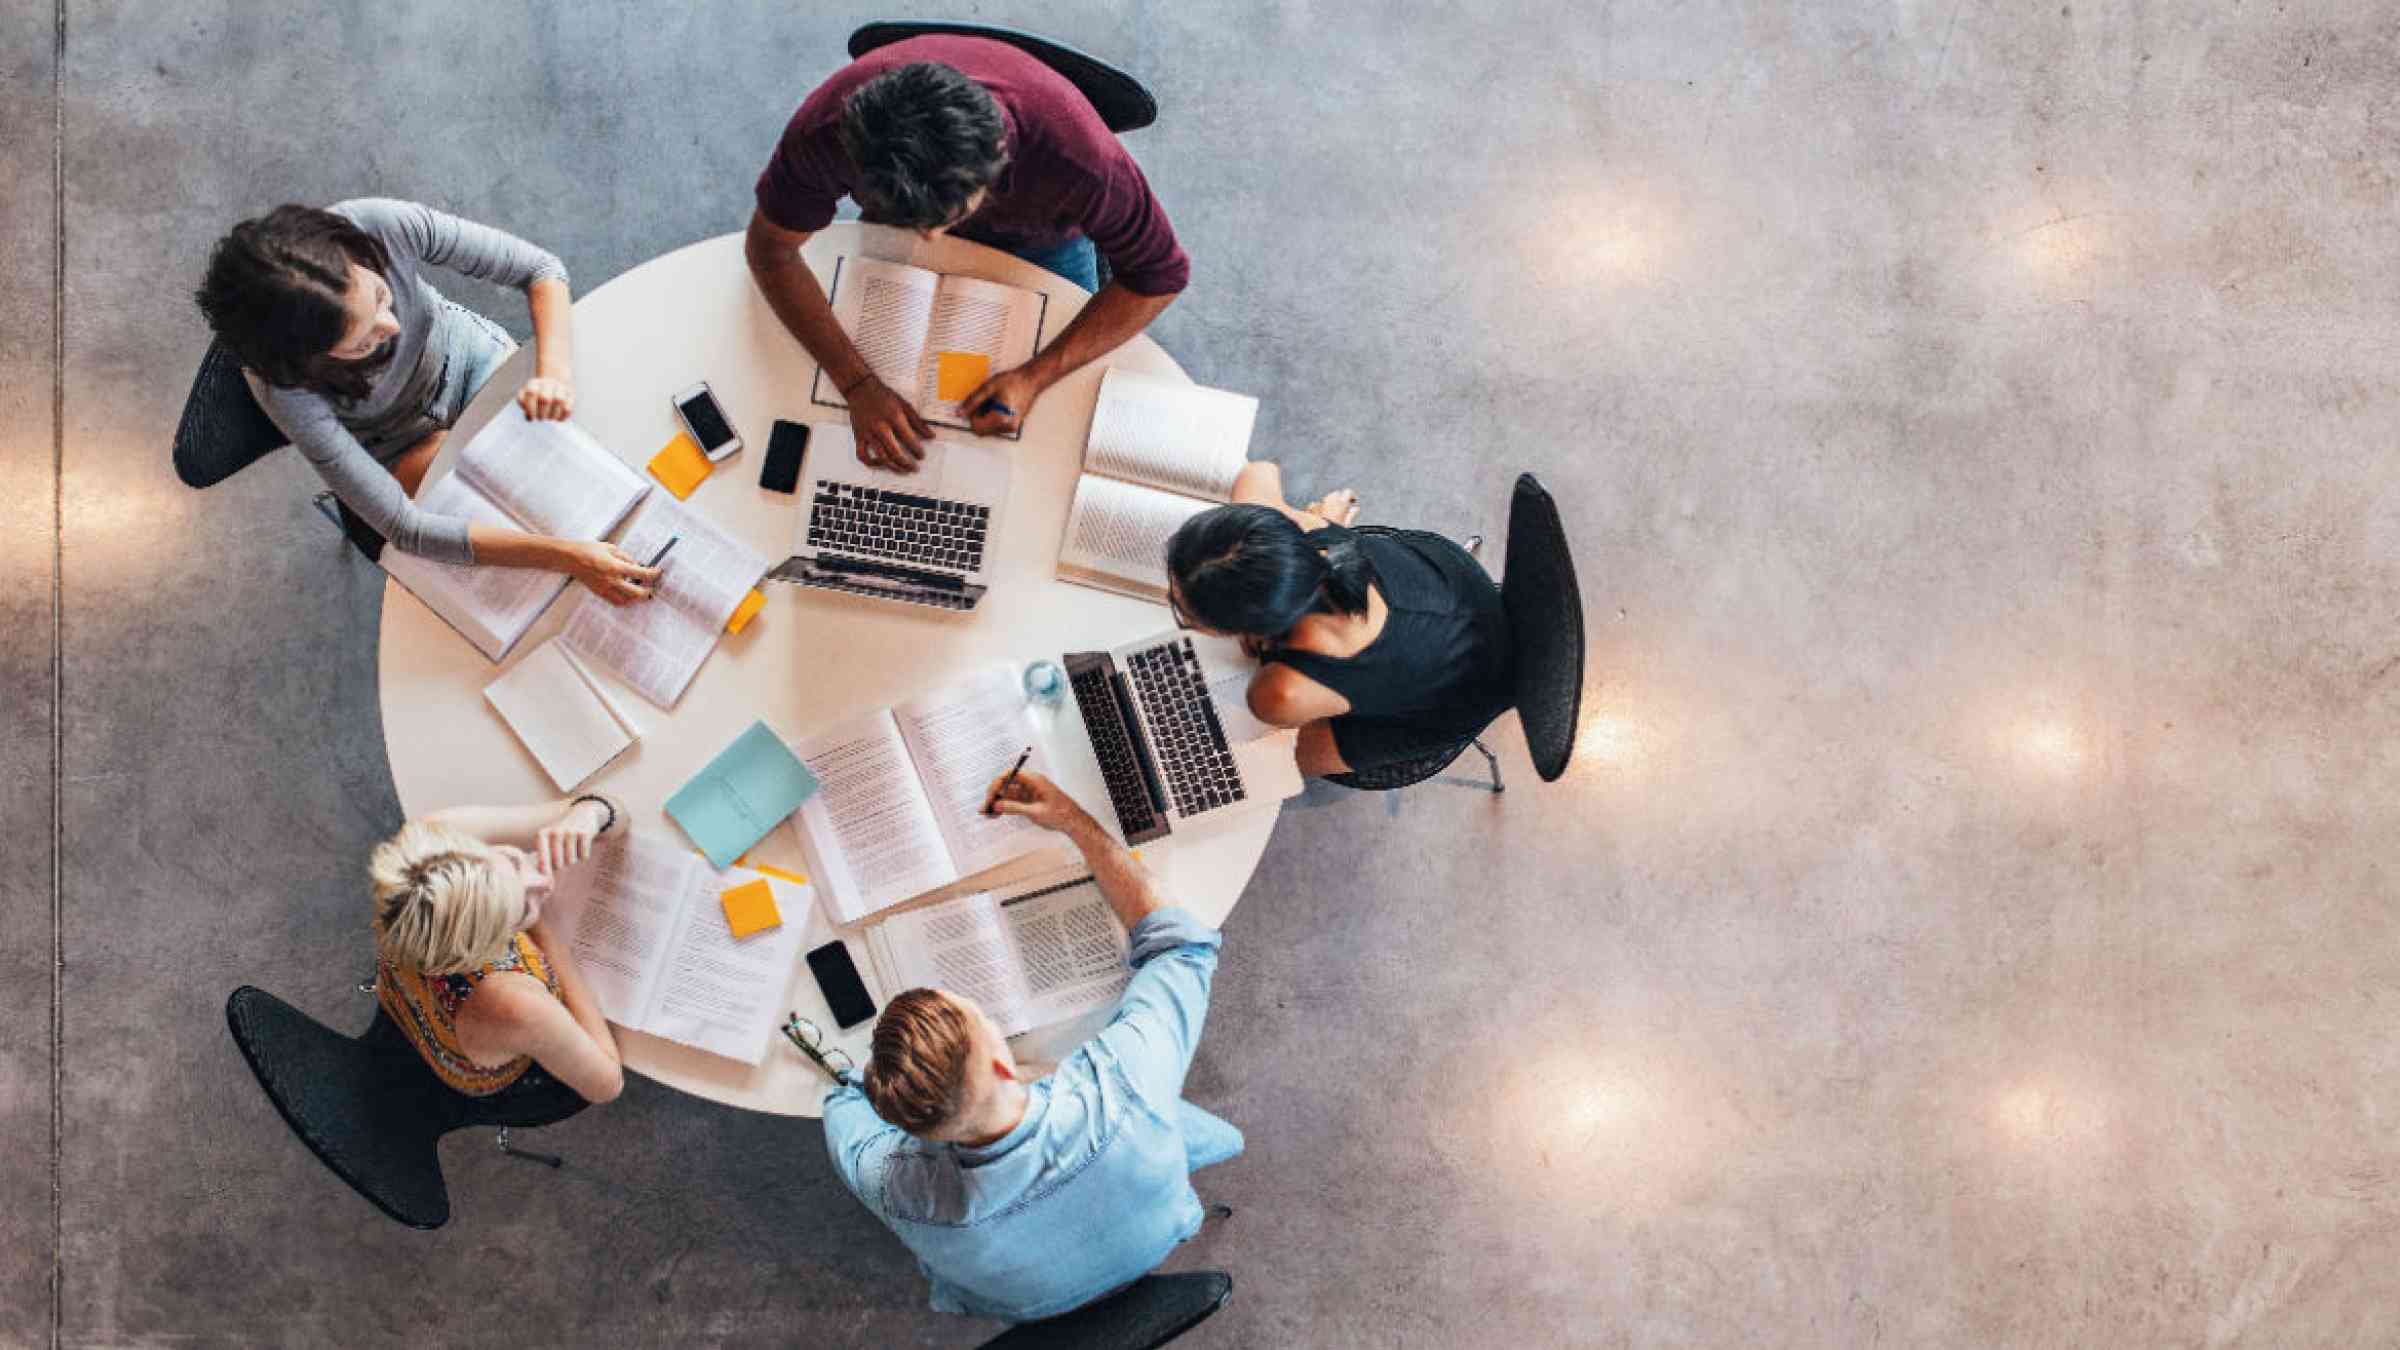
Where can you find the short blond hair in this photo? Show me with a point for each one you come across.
(441, 905)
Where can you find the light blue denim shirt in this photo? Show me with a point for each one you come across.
(1090, 1191)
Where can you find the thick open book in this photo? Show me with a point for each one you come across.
(1048, 954)
(657, 645)
(899, 804)
(644, 922)
(1159, 453)
(541, 477)
(564, 716)
(932, 338)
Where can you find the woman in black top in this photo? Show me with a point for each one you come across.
(1378, 647)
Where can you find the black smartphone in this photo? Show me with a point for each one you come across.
(787, 444)
(845, 994)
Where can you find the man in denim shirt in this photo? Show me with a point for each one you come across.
(1023, 1199)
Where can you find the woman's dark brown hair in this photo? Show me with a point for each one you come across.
(274, 293)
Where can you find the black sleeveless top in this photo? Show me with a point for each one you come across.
(1440, 667)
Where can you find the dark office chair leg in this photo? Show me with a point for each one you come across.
(551, 1159)
(1494, 761)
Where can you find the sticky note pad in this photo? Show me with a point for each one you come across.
(680, 466)
(744, 612)
(955, 374)
(750, 908)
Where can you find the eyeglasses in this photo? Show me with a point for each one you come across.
(1175, 607)
(809, 1039)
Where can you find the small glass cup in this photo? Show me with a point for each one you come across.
(1046, 682)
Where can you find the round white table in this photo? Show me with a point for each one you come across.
(810, 658)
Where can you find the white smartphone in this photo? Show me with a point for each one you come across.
(697, 408)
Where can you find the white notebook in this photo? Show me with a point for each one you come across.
(657, 645)
(565, 718)
(1048, 953)
(1159, 453)
(913, 327)
(899, 805)
(541, 477)
(643, 920)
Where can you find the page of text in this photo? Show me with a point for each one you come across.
(618, 914)
(971, 315)
(962, 736)
(722, 993)
(493, 606)
(961, 945)
(885, 308)
(1181, 437)
(1121, 529)
(1073, 949)
(552, 476)
(869, 827)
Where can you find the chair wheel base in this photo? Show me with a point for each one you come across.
(550, 1160)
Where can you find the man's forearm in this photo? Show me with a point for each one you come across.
(1112, 319)
(1132, 892)
(793, 293)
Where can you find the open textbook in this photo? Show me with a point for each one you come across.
(643, 920)
(932, 338)
(541, 477)
(1048, 954)
(566, 718)
(1159, 453)
(899, 804)
(657, 645)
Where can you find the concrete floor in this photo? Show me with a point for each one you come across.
(1968, 922)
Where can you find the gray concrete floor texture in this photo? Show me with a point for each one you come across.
(1968, 920)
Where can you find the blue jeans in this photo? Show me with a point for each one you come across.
(1207, 1140)
(1076, 260)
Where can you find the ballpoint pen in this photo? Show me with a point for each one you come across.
(991, 803)
(663, 549)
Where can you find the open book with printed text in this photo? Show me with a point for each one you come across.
(644, 922)
(1048, 952)
(657, 645)
(932, 337)
(899, 803)
(541, 477)
(1160, 452)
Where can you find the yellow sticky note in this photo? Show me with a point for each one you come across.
(680, 466)
(955, 374)
(744, 612)
(779, 873)
(750, 908)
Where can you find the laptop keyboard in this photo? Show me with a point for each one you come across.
(1112, 744)
(1185, 735)
(899, 527)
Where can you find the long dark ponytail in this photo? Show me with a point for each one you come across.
(274, 292)
(1248, 569)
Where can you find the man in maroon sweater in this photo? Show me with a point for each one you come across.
(962, 134)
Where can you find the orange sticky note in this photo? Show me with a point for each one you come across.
(680, 466)
(750, 908)
(744, 612)
(955, 374)
(779, 873)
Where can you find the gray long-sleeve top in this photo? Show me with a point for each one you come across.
(335, 434)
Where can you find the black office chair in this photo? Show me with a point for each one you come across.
(1144, 1315)
(370, 1108)
(1545, 633)
(1123, 104)
(223, 430)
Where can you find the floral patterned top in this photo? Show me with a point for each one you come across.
(425, 1007)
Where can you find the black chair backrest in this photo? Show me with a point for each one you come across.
(1120, 99)
(1545, 627)
(1144, 1315)
(223, 430)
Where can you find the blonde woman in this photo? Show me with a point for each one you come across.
(464, 967)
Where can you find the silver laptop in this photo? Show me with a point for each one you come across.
(1171, 730)
(921, 538)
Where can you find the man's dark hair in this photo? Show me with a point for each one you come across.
(924, 139)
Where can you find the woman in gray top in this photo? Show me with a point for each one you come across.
(365, 366)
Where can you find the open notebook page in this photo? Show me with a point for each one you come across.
(722, 993)
(657, 645)
(492, 606)
(986, 318)
(962, 736)
(1120, 530)
(619, 910)
(870, 829)
(1181, 437)
(885, 307)
(564, 717)
(552, 476)
(1073, 950)
(965, 946)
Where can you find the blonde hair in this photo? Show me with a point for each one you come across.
(441, 905)
(918, 1071)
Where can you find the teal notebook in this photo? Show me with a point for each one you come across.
(744, 792)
